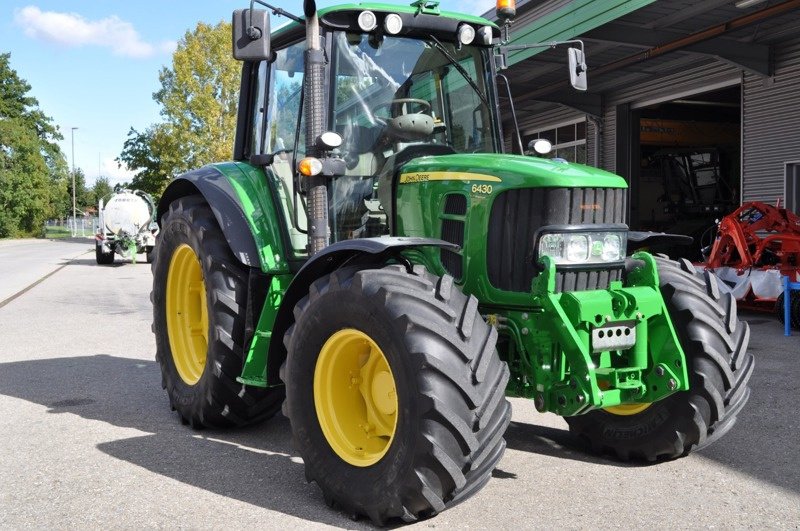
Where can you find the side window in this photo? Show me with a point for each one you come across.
(285, 90)
(256, 138)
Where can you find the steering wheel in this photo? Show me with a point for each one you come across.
(426, 106)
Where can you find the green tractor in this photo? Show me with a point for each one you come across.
(372, 262)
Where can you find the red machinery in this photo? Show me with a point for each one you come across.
(758, 242)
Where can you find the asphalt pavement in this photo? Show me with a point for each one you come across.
(87, 439)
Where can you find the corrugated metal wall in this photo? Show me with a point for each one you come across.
(701, 76)
(608, 145)
(558, 115)
(770, 118)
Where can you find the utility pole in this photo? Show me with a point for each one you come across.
(74, 209)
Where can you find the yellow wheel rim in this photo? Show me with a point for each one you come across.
(627, 409)
(187, 314)
(355, 397)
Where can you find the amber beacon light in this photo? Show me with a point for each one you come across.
(506, 9)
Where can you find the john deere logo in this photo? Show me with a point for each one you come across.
(590, 206)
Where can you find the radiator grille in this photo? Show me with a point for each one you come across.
(453, 232)
(517, 214)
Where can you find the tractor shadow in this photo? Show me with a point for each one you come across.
(764, 441)
(119, 262)
(554, 442)
(255, 464)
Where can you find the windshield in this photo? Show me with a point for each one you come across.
(396, 91)
(395, 98)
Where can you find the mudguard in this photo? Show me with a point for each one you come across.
(215, 187)
(367, 252)
(642, 239)
(243, 203)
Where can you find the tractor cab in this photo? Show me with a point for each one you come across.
(398, 85)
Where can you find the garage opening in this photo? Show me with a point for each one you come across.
(688, 173)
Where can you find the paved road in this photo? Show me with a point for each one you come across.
(23, 262)
(87, 440)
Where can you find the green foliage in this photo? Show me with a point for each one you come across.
(83, 196)
(199, 96)
(32, 167)
(155, 154)
(100, 190)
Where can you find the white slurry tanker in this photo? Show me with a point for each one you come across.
(127, 226)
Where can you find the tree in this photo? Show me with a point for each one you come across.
(100, 190)
(83, 196)
(155, 154)
(199, 96)
(32, 167)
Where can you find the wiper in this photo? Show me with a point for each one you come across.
(461, 70)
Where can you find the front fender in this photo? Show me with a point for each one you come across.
(367, 252)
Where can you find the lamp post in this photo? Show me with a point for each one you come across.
(74, 209)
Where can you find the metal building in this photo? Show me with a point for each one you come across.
(695, 103)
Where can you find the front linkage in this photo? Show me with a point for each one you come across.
(575, 352)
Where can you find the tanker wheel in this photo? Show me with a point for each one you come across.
(102, 257)
(719, 366)
(199, 305)
(395, 392)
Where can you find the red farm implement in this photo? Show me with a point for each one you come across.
(755, 246)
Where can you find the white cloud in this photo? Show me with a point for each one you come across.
(115, 174)
(71, 29)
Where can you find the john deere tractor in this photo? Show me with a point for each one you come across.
(374, 263)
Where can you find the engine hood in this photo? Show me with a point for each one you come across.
(513, 170)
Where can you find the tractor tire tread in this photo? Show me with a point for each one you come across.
(457, 372)
(224, 403)
(715, 343)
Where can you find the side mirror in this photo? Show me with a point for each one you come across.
(250, 35)
(577, 68)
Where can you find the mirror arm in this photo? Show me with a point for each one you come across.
(513, 112)
(251, 31)
(552, 44)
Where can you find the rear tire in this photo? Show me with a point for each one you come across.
(449, 382)
(208, 395)
(102, 257)
(715, 343)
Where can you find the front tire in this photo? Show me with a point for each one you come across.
(416, 338)
(199, 308)
(719, 366)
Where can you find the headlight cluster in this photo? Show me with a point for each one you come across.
(576, 248)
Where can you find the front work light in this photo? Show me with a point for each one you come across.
(583, 247)
(367, 21)
(466, 34)
(393, 23)
(485, 35)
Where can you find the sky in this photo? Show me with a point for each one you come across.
(93, 64)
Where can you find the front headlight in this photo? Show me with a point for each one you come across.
(579, 248)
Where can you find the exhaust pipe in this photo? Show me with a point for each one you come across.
(314, 81)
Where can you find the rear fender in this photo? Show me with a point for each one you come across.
(243, 206)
